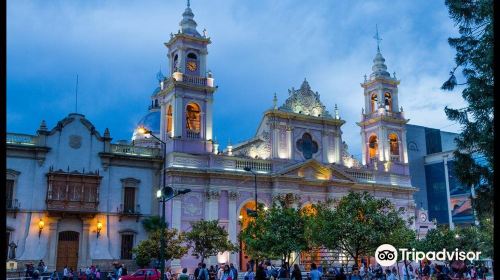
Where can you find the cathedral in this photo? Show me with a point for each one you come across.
(76, 198)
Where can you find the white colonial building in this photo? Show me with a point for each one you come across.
(75, 198)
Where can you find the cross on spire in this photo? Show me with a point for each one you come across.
(376, 37)
(188, 4)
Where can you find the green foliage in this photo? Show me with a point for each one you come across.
(275, 233)
(207, 239)
(153, 223)
(149, 249)
(474, 157)
(359, 224)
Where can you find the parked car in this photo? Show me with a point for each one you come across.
(143, 274)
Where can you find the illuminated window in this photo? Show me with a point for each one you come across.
(193, 118)
(169, 119)
(373, 146)
(388, 101)
(374, 102)
(307, 146)
(394, 145)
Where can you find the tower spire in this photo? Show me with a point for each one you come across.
(188, 4)
(377, 38)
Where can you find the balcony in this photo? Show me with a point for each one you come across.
(397, 115)
(73, 192)
(12, 206)
(134, 150)
(192, 134)
(21, 139)
(129, 211)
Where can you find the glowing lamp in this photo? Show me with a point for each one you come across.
(99, 228)
(41, 225)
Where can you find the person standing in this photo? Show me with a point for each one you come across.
(389, 275)
(260, 274)
(355, 275)
(65, 273)
(211, 273)
(203, 273)
(296, 273)
(227, 274)
(234, 270)
(220, 272)
(184, 275)
(197, 271)
(315, 274)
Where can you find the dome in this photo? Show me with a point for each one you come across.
(150, 121)
(158, 89)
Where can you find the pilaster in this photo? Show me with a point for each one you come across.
(51, 256)
(233, 220)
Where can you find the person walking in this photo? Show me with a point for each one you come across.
(260, 274)
(197, 271)
(227, 274)
(211, 273)
(296, 273)
(234, 270)
(315, 274)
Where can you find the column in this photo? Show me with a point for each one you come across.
(381, 144)
(448, 198)
(363, 147)
(338, 150)
(51, 262)
(405, 150)
(212, 213)
(325, 146)
(276, 141)
(176, 223)
(233, 220)
(203, 63)
(83, 254)
(208, 120)
(163, 127)
(178, 112)
(289, 142)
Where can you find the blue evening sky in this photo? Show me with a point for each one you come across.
(258, 48)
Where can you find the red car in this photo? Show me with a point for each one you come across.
(143, 274)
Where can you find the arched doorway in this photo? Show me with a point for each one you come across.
(244, 220)
(67, 250)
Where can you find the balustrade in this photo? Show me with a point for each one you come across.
(134, 150)
(22, 139)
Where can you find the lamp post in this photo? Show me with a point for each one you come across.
(250, 212)
(164, 194)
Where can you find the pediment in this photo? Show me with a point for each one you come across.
(314, 170)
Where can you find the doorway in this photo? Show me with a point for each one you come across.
(67, 250)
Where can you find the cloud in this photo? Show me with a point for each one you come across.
(259, 47)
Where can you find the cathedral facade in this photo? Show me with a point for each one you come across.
(75, 198)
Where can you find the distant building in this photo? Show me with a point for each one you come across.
(430, 153)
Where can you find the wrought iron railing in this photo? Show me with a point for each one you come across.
(131, 210)
(20, 139)
(134, 150)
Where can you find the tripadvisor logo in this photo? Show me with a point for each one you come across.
(387, 255)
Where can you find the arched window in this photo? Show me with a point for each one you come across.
(373, 146)
(192, 56)
(169, 119)
(193, 119)
(388, 101)
(374, 102)
(175, 64)
(394, 144)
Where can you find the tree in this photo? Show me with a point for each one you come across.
(153, 223)
(275, 233)
(207, 239)
(474, 156)
(359, 224)
(149, 249)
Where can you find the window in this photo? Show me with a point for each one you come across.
(193, 118)
(191, 56)
(374, 102)
(10, 193)
(436, 192)
(433, 140)
(127, 245)
(388, 101)
(175, 65)
(129, 200)
(373, 146)
(169, 119)
(307, 146)
(394, 144)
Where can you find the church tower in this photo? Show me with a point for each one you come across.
(382, 122)
(187, 93)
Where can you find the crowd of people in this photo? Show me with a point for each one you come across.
(268, 271)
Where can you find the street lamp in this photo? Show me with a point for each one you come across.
(250, 212)
(164, 194)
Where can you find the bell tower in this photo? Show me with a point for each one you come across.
(186, 95)
(382, 122)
